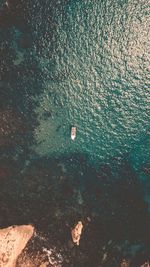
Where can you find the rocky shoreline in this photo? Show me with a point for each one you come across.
(12, 241)
(21, 246)
(55, 195)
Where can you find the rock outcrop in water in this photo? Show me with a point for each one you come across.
(55, 194)
(76, 233)
(12, 241)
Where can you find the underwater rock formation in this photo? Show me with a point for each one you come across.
(12, 127)
(113, 211)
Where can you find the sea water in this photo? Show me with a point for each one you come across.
(85, 64)
(96, 77)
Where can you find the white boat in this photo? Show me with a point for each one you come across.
(73, 132)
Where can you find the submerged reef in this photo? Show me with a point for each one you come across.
(55, 194)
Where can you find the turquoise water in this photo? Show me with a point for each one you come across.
(96, 77)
